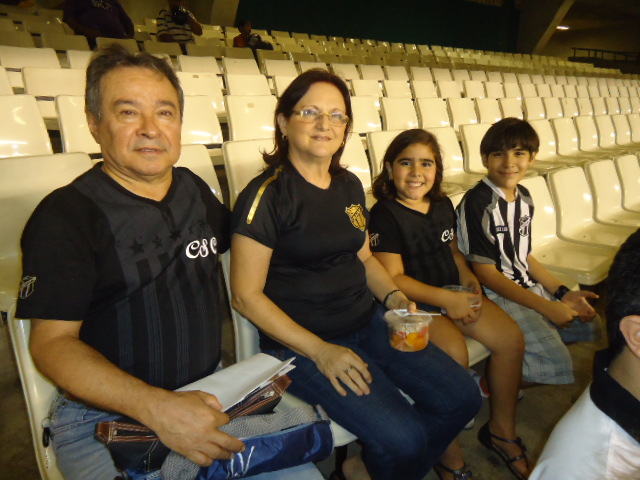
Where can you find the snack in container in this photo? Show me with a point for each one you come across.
(408, 332)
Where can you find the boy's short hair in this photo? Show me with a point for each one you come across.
(509, 133)
(623, 290)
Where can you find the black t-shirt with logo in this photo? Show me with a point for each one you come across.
(315, 275)
(423, 240)
(140, 274)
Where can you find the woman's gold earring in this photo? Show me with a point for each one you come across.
(284, 137)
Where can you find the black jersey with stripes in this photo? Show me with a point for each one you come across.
(315, 275)
(494, 231)
(140, 274)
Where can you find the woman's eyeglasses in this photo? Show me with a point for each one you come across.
(309, 115)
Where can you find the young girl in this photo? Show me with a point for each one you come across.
(412, 233)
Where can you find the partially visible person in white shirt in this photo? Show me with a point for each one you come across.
(599, 437)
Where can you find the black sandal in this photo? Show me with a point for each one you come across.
(463, 473)
(485, 436)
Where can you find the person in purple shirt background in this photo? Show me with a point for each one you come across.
(98, 18)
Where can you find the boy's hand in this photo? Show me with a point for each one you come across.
(559, 313)
(578, 301)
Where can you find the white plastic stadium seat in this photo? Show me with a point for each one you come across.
(200, 123)
(250, 117)
(14, 59)
(607, 195)
(240, 66)
(23, 130)
(453, 160)
(24, 182)
(398, 113)
(423, 89)
(433, 112)
(377, 143)
(488, 110)
(247, 84)
(365, 115)
(47, 83)
(588, 265)
(78, 58)
(204, 84)
(574, 205)
(243, 161)
(629, 174)
(38, 392)
(191, 63)
(462, 111)
(196, 158)
(396, 88)
(74, 129)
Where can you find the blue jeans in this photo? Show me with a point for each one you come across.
(399, 440)
(80, 456)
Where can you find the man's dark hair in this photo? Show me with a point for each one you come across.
(114, 56)
(623, 290)
(509, 133)
(290, 97)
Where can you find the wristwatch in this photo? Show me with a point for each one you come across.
(561, 291)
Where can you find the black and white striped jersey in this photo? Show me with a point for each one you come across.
(495, 231)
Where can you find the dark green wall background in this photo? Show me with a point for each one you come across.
(442, 22)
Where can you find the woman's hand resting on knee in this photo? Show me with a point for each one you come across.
(342, 366)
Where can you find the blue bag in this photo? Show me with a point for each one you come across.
(273, 441)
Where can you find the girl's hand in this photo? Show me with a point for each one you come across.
(342, 366)
(457, 306)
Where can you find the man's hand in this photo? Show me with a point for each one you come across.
(187, 422)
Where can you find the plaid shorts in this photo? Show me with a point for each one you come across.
(546, 358)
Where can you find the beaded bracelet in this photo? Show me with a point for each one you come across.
(386, 299)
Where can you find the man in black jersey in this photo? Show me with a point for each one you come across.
(121, 266)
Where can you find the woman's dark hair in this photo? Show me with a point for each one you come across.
(509, 133)
(290, 97)
(384, 188)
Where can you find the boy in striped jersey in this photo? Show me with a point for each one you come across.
(494, 232)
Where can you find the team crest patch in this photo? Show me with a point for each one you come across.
(374, 239)
(27, 286)
(356, 215)
(525, 226)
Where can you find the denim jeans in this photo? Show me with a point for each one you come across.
(399, 440)
(81, 457)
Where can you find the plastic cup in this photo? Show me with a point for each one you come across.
(459, 288)
(408, 332)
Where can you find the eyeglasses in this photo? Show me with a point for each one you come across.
(309, 115)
